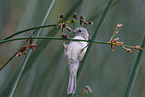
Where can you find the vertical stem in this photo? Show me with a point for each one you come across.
(93, 39)
(91, 42)
(29, 53)
(135, 71)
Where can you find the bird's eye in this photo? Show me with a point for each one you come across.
(80, 30)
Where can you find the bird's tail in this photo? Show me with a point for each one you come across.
(72, 84)
(72, 77)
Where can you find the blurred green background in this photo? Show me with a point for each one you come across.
(46, 74)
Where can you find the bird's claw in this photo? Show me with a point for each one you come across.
(90, 40)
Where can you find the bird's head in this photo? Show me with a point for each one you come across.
(80, 31)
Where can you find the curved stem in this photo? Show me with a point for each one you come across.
(29, 29)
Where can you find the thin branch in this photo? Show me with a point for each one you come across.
(58, 38)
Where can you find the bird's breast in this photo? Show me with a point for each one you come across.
(74, 51)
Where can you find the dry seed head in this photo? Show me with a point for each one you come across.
(90, 22)
(64, 36)
(19, 54)
(116, 32)
(119, 42)
(73, 20)
(34, 45)
(119, 25)
(69, 29)
(24, 48)
(85, 22)
(129, 50)
(24, 53)
(81, 22)
(64, 25)
(57, 26)
(138, 47)
(62, 16)
(33, 48)
(75, 15)
(88, 89)
(112, 47)
(115, 40)
(31, 41)
(82, 17)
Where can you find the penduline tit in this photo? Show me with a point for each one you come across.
(75, 52)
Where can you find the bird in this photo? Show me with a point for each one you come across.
(75, 52)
